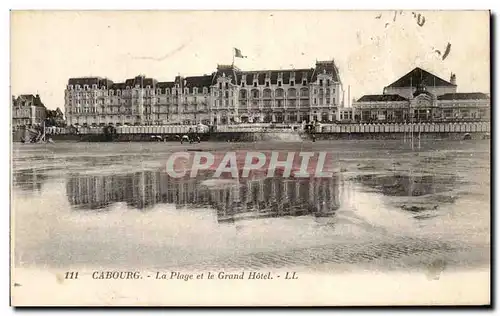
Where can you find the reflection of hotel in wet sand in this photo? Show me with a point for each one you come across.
(269, 197)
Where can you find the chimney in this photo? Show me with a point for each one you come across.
(453, 79)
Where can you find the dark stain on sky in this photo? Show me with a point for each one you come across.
(420, 20)
(171, 53)
(447, 51)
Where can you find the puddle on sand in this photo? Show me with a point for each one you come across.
(420, 195)
(407, 185)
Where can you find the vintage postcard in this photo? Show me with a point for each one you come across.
(250, 158)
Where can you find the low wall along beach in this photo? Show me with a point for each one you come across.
(265, 132)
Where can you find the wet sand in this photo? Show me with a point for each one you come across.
(387, 208)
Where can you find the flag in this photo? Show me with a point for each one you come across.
(237, 53)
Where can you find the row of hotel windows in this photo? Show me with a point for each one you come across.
(202, 107)
(243, 94)
(278, 103)
(255, 83)
(148, 90)
(117, 109)
(267, 82)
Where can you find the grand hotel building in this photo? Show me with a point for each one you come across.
(228, 95)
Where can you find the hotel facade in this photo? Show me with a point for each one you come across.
(227, 96)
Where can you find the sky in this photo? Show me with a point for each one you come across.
(372, 49)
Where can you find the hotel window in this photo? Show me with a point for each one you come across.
(226, 94)
(255, 84)
(158, 91)
(255, 93)
(243, 94)
(279, 83)
(292, 83)
(328, 82)
(320, 82)
(227, 85)
(267, 83)
(220, 85)
(78, 87)
(205, 90)
(94, 86)
(186, 90)
(304, 82)
(267, 93)
(195, 90)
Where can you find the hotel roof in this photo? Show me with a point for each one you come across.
(381, 98)
(464, 96)
(420, 76)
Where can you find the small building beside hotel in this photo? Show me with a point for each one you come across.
(27, 111)
(420, 96)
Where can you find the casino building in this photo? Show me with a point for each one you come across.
(420, 96)
(228, 95)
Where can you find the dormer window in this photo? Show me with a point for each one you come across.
(320, 82)
(70, 87)
(327, 82)
(186, 90)
(267, 83)
(111, 92)
(128, 88)
(205, 90)
(148, 87)
(94, 86)
(220, 85)
(158, 91)
(86, 87)
(195, 90)
(78, 87)
(279, 83)
(243, 83)
(292, 83)
(118, 92)
(255, 84)
(304, 82)
(227, 85)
